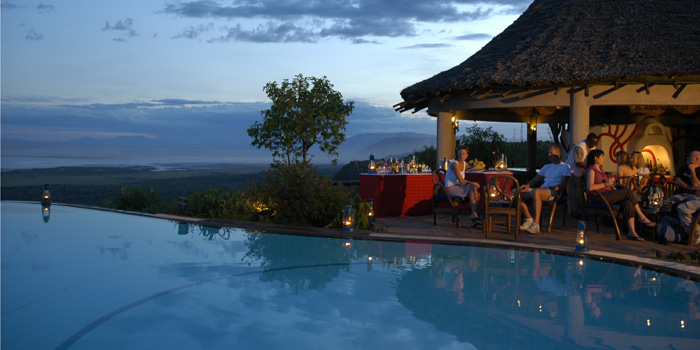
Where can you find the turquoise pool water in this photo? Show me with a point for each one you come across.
(90, 279)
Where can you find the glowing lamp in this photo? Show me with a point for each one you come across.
(46, 197)
(372, 167)
(370, 209)
(493, 191)
(581, 241)
(455, 124)
(656, 198)
(348, 219)
(502, 164)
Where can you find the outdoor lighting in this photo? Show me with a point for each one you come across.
(656, 197)
(581, 237)
(46, 197)
(372, 165)
(370, 209)
(348, 219)
(502, 163)
(493, 191)
(455, 124)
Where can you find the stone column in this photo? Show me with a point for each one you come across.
(579, 118)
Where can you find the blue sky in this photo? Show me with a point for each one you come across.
(90, 63)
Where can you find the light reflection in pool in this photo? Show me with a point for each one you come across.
(91, 279)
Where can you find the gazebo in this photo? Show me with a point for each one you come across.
(581, 62)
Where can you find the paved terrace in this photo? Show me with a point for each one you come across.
(603, 245)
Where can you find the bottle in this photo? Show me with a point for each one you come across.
(401, 167)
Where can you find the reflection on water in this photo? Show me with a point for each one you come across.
(93, 279)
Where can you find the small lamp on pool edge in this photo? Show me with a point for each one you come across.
(370, 209)
(581, 241)
(46, 197)
(348, 219)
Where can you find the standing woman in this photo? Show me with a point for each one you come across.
(599, 184)
(458, 186)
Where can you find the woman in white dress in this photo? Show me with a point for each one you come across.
(458, 186)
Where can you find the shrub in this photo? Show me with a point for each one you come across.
(298, 195)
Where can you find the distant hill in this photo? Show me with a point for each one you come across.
(138, 150)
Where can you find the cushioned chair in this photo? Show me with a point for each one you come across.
(501, 198)
(440, 196)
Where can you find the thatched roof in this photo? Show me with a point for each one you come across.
(578, 42)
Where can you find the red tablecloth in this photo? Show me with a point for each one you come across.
(398, 194)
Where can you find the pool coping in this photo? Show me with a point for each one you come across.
(679, 269)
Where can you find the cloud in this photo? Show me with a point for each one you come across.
(355, 20)
(32, 35)
(475, 36)
(426, 46)
(193, 32)
(45, 8)
(8, 6)
(126, 27)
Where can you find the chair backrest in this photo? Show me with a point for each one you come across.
(439, 176)
(502, 189)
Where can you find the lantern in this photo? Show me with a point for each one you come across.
(348, 219)
(502, 163)
(370, 209)
(372, 167)
(581, 242)
(656, 198)
(493, 190)
(46, 197)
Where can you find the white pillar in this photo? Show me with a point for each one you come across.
(445, 138)
(579, 118)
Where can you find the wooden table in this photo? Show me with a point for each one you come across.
(398, 194)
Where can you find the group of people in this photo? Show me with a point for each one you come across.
(583, 167)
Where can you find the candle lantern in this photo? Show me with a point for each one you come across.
(502, 163)
(493, 191)
(372, 167)
(348, 219)
(656, 198)
(581, 241)
(46, 197)
(370, 209)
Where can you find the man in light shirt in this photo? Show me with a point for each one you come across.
(555, 176)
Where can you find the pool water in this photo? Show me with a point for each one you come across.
(90, 279)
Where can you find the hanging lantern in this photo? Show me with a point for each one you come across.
(581, 241)
(372, 167)
(46, 197)
(656, 198)
(370, 209)
(348, 219)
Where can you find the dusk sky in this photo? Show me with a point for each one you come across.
(130, 56)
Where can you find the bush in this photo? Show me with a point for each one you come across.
(141, 200)
(298, 195)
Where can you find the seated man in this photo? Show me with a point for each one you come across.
(555, 176)
(687, 176)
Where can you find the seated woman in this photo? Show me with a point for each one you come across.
(625, 168)
(600, 185)
(639, 163)
(458, 186)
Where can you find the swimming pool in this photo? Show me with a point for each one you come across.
(90, 279)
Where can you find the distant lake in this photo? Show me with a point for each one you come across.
(28, 157)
